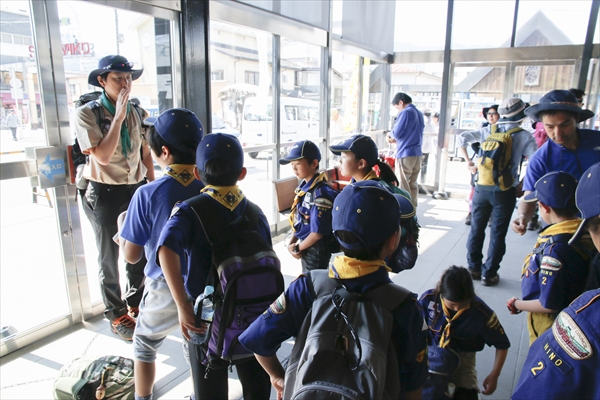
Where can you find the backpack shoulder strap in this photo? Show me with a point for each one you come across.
(388, 295)
(97, 109)
(207, 212)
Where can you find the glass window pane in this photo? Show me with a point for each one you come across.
(482, 24)
(28, 223)
(427, 19)
(371, 120)
(242, 60)
(143, 40)
(423, 83)
(545, 23)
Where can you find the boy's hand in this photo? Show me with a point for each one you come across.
(278, 386)
(510, 304)
(292, 249)
(489, 384)
(187, 320)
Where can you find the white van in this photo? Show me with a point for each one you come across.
(299, 121)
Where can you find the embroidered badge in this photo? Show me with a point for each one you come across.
(323, 204)
(571, 338)
(278, 306)
(185, 176)
(555, 359)
(551, 263)
(230, 198)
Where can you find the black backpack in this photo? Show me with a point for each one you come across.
(246, 276)
(343, 349)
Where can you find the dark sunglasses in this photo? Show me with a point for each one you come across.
(119, 65)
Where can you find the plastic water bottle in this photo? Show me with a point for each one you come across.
(204, 310)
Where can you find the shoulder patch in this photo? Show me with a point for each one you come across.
(323, 203)
(279, 305)
(551, 263)
(571, 338)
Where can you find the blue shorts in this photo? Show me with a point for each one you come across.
(156, 320)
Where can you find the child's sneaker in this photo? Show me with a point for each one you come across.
(123, 326)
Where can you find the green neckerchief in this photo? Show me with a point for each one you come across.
(125, 139)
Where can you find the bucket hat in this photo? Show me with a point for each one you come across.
(511, 110)
(559, 100)
(113, 63)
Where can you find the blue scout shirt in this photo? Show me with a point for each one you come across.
(556, 273)
(553, 157)
(408, 132)
(476, 327)
(183, 234)
(151, 207)
(284, 318)
(314, 210)
(564, 362)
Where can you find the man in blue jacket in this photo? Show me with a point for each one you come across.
(408, 134)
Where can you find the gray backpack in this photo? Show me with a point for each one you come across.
(343, 349)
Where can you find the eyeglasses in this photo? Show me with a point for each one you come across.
(492, 113)
(119, 65)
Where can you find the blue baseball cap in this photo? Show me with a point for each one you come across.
(178, 127)
(219, 145)
(587, 197)
(361, 145)
(555, 189)
(369, 211)
(302, 149)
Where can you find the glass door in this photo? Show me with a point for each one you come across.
(48, 267)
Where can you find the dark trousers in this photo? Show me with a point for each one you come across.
(499, 205)
(316, 256)
(102, 205)
(256, 384)
(14, 132)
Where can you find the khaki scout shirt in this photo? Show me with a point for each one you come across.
(120, 170)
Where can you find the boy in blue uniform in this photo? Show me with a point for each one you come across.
(461, 321)
(366, 222)
(173, 140)
(564, 361)
(220, 165)
(310, 217)
(555, 272)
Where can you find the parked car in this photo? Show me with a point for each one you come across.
(218, 126)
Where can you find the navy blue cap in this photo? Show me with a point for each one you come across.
(362, 146)
(113, 63)
(587, 196)
(219, 145)
(555, 189)
(559, 100)
(302, 149)
(369, 211)
(178, 127)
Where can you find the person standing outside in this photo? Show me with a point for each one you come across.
(12, 121)
(494, 200)
(569, 149)
(408, 134)
(119, 162)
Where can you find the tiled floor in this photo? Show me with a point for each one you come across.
(29, 373)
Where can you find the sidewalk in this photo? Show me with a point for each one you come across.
(29, 373)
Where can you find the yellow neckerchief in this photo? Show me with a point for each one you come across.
(371, 175)
(344, 267)
(445, 339)
(228, 196)
(569, 226)
(322, 177)
(182, 173)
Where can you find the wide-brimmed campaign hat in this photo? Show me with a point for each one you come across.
(511, 111)
(559, 100)
(113, 63)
